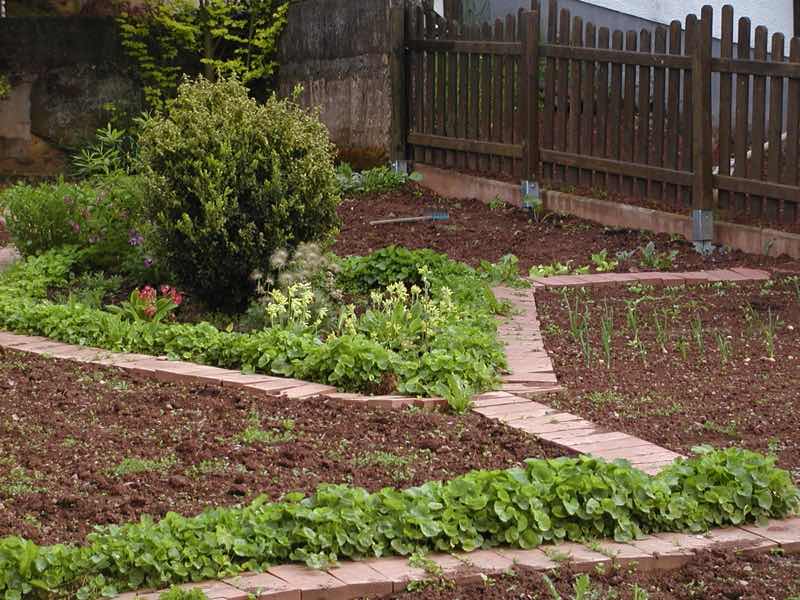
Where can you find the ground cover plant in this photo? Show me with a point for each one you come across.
(715, 575)
(546, 500)
(682, 366)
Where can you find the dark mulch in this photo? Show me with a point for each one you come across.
(68, 432)
(752, 400)
(476, 231)
(710, 576)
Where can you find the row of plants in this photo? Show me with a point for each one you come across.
(544, 501)
(418, 323)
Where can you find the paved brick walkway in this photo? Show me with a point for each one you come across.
(679, 278)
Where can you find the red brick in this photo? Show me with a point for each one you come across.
(530, 378)
(307, 391)
(739, 539)
(239, 380)
(752, 274)
(666, 554)
(624, 554)
(538, 427)
(688, 541)
(265, 586)
(641, 454)
(578, 555)
(430, 404)
(600, 437)
(21, 340)
(566, 438)
(508, 411)
(614, 444)
(506, 400)
(313, 585)
(191, 373)
(272, 387)
(486, 561)
(532, 559)
(456, 569)
(398, 571)
(786, 533)
(390, 402)
(363, 580)
(214, 590)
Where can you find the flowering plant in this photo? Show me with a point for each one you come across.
(147, 305)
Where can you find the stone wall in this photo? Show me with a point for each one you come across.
(338, 51)
(63, 71)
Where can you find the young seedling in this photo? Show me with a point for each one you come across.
(697, 333)
(683, 348)
(661, 333)
(770, 333)
(607, 333)
(602, 263)
(723, 345)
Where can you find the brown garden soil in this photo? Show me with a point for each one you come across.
(72, 438)
(714, 575)
(726, 390)
(476, 231)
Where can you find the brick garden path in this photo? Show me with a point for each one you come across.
(530, 374)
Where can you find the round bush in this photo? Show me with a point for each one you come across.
(229, 181)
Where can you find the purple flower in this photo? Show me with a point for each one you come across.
(148, 262)
(68, 200)
(92, 239)
(75, 226)
(135, 238)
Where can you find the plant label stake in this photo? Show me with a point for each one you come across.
(435, 216)
(531, 195)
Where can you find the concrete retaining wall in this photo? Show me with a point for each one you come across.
(62, 70)
(338, 51)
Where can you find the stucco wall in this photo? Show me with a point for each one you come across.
(62, 72)
(338, 51)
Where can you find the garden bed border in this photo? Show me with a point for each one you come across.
(753, 240)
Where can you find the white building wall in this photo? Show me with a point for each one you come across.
(775, 15)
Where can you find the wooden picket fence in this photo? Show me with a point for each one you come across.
(624, 111)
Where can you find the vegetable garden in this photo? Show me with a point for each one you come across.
(220, 232)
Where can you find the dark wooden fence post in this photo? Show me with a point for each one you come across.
(529, 94)
(702, 188)
(398, 74)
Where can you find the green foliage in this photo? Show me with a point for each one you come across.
(544, 501)
(228, 37)
(176, 593)
(437, 339)
(109, 154)
(5, 87)
(229, 181)
(653, 259)
(147, 305)
(557, 268)
(602, 263)
(583, 590)
(505, 271)
(97, 217)
(371, 181)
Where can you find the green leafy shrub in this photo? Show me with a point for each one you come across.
(101, 218)
(110, 154)
(5, 87)
(230, 181)
(545, 501)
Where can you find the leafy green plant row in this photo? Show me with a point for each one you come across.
(544, 501)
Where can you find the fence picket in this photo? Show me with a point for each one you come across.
(463, 97)
(587, 114)
(686, 133)
(548, 121)
(508, 94)
(474, 98)
(643, 144)
(672, 146)
(725, 103)
(741, 139)
(603, 121)
(628, 113)
(614, 184)
(774, 154)
(659, 113)
(574, 102)
(559, 173)
(497, 95)
(790, 177)
(756, 170)
(485, 98)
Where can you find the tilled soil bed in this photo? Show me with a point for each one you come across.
(476, 231)
(715, 364)
(83, 446)
(710, 576)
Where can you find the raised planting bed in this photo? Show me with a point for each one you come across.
(477, 231)
(682, 366)
(83, 446)
(710, 575)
